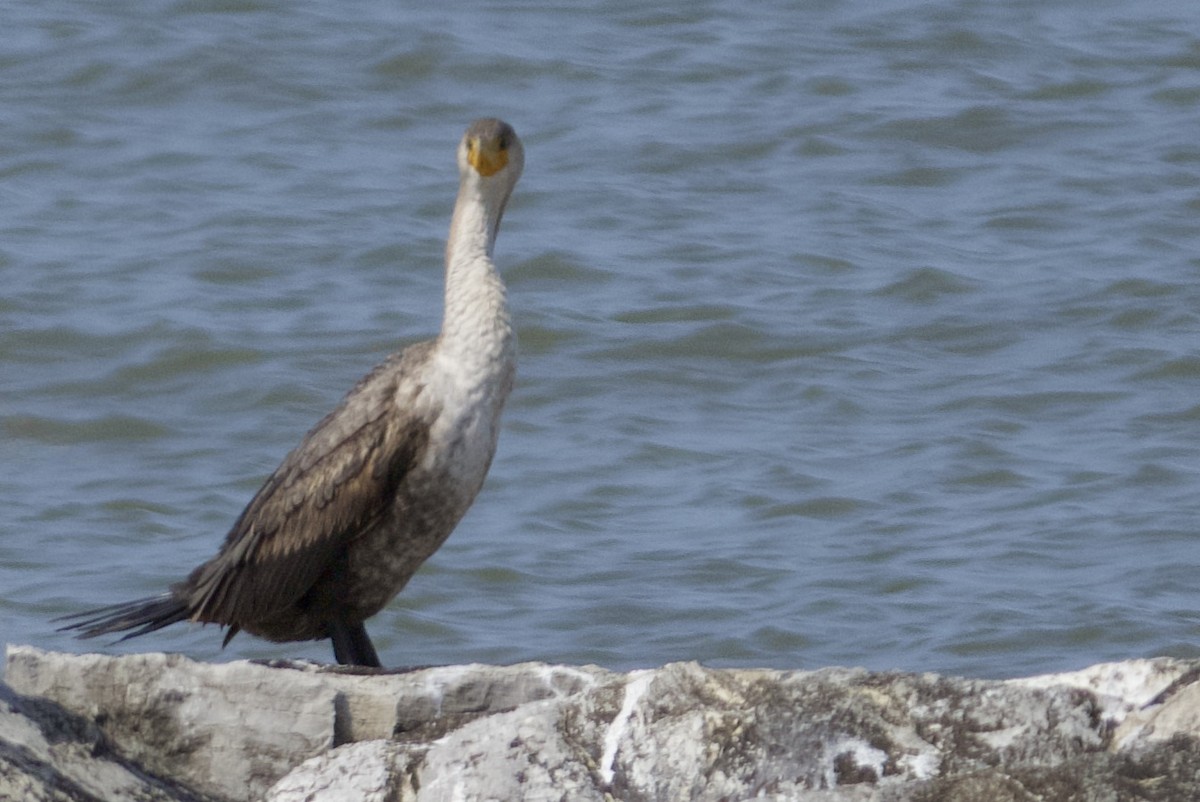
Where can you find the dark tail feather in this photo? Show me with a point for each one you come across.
(135, 617)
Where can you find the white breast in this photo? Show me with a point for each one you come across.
(463, 435)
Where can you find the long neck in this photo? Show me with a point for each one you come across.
(476, 329)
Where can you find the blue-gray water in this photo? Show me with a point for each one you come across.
(851, 332)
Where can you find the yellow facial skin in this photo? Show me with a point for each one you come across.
(488, 158)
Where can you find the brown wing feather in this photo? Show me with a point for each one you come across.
(333, 486)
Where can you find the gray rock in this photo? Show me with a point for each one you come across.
(161, 727)
(48, 754)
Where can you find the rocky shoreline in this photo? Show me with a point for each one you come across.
(162, 727)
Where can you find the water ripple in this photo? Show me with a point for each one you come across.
(851, 333)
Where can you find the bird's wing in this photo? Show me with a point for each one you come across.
(332, 487)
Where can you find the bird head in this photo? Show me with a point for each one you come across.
(491, 151)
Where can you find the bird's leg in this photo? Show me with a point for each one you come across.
(351, 645)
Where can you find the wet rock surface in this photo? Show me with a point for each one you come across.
(162, 727)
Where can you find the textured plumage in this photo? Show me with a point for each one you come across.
(379, 483)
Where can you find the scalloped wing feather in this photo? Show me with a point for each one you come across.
(334, 486)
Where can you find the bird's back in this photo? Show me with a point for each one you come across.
(334, 494)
